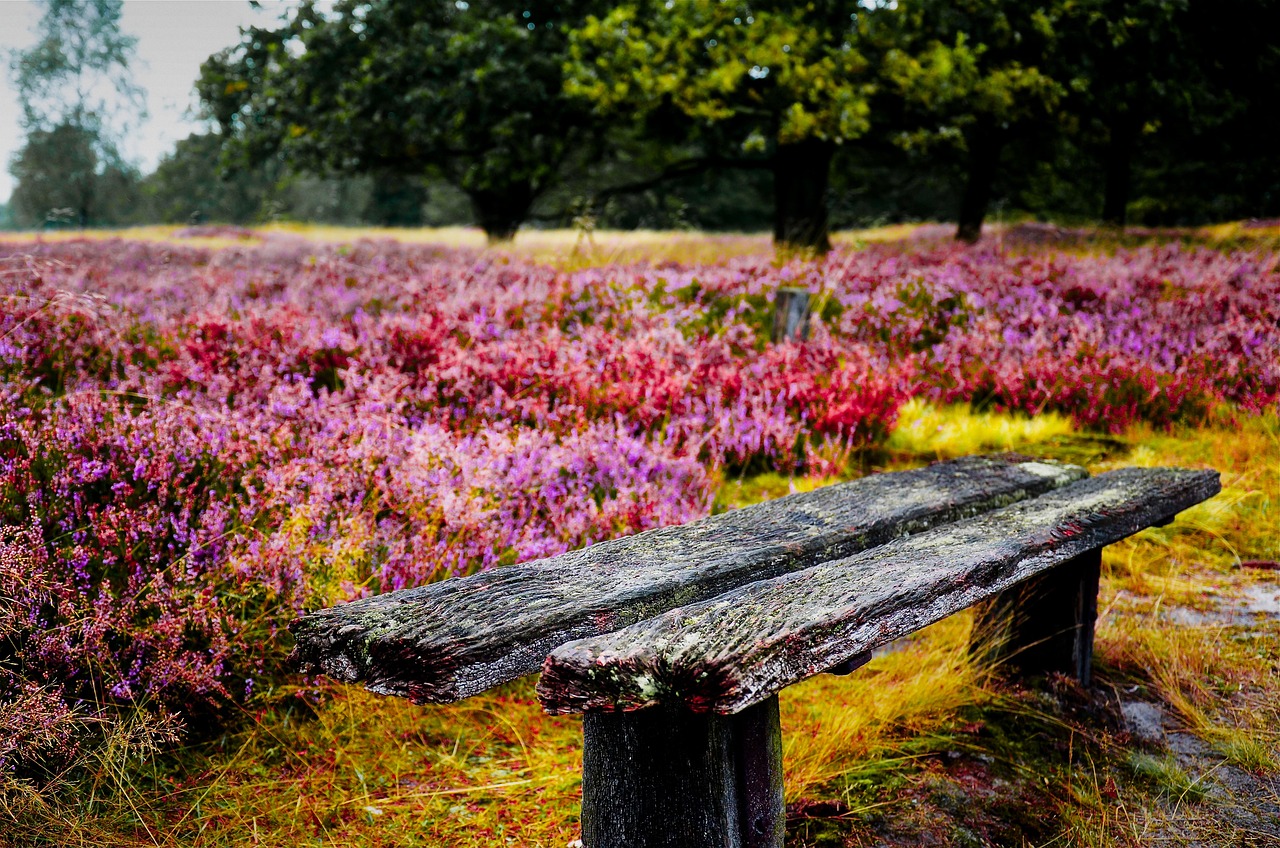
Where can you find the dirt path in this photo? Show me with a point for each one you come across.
(1226, 802)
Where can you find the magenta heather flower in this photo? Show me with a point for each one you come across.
(196, 445)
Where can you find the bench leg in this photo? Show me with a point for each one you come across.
(667, 777)
(1046, 623)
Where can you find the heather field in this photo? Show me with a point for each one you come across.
(204, 432)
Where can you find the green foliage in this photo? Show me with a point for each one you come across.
(187, 188)
(773, 85)
(62, 180)
(1089, 108)
(1213, 157)
(779, 73)
(79, 56)
(688, 114)
(952, 83)
(57, 174)
(471, 92)
(1134, 58)
(958, 65)
(970, 78)
(1136, 70)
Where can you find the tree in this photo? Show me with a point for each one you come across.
(1214, 157)
(974, 75)
(773, 85)
(468, 91)
(186, 186)
(57, 177)
(396, 200)
(71, 86)
(61, 181)
(1141, 71)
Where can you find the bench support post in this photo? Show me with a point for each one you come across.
(669, 777)
(1046, 623)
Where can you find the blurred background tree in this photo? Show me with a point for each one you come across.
(76, 95)
(778, 86)
(187, 186)
(973, 76)
(470, 92)
(63, 179)
(1216, 160)
(1136, 72)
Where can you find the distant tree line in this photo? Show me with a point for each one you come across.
(798, 117)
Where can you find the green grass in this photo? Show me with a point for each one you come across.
(1167, 777)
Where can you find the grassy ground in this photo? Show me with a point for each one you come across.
(1176, 743)
(584, 246)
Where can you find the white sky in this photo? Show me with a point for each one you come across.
(174, 37)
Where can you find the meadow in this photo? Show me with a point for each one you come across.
(204, 432)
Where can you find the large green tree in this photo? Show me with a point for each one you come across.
(470, 91)
(1141, 71)
(73, 88)
(771, 84)
(973, 76)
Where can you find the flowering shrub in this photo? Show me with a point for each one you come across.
(1156, 334)
(195, 444)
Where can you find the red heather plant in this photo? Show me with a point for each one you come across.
(196, 445)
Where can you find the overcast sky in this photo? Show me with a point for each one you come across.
(174, 37)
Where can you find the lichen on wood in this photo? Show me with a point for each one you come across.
(726, 653)
(450, 640)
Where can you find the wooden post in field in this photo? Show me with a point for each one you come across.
(664, 777)
(790, 315)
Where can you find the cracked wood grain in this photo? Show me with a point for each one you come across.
(727, 653)
(447, 641)
(667, 778)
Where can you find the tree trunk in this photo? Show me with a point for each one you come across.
(500, 212)
(985, 144)
(800, 174)
(1119, 169)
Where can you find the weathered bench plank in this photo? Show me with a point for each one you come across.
(450, 640)
(724, 654)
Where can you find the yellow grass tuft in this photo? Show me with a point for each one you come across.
(927, 430)
(835, 726)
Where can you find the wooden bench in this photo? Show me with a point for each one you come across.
(675, 642)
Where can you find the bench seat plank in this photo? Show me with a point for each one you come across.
(447, 641)
(730, 652)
